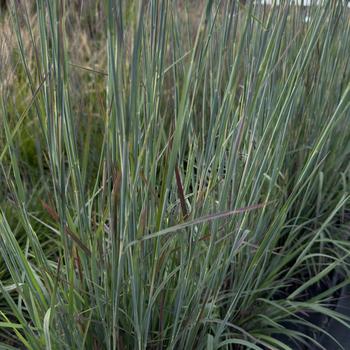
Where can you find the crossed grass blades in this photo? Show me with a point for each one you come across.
(174, 176)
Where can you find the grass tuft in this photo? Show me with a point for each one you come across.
(173, 176)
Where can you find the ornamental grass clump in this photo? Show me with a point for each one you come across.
(187, 190)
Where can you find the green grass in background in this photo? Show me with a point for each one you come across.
(173, 177)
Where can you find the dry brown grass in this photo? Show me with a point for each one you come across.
(85, 41)
(7, 42)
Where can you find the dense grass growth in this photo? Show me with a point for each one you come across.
(173, 176)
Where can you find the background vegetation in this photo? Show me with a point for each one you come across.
(173, 175)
